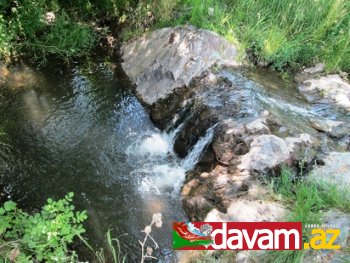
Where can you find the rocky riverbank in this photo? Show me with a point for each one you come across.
(195, 77)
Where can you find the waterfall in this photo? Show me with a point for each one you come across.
(157, 167)
(193, 156)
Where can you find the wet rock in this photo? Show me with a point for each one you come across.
(213, 190)
(344, 143)
(227, 146)
(196, 125)
(258, 126)
(336, 169)
(330, 89)
(324, 125)
(20, 78)
(170, 58)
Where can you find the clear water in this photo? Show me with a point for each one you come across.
(84, 131)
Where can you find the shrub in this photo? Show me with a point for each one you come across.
(24, 29)
(42, 237)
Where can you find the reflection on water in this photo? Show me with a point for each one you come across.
(73, 132)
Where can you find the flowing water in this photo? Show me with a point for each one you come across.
(84, 131)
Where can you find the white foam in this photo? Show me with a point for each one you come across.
(154, 145)
(193, 156)
(158, 166)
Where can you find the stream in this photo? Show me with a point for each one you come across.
(82, 130)
(85, 132)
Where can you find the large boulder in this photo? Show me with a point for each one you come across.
(170, 58)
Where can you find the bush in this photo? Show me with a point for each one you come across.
(25, 28)
(42, 237)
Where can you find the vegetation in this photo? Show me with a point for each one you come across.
(284, 34)
(307, 200)
(64, 29)
(42, 237)
(281, 33)
(48, 236)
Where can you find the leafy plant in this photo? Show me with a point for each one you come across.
(42, 237)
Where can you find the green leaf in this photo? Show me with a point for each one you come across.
(10, 206)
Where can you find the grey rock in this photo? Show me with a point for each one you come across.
(335, 170)
(330, 89)
(258, 125)
(318, 68)
(170, 58)
(341, 221)
(268, 151)
(335, 129)
(244, 210)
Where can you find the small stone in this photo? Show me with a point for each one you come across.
(318, 68)
(343, 74)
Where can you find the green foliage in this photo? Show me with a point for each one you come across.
(306, 196)
(113, 250)
(307, 200)
(284, 33)
(27, 28)
(42, 237)
(77, 40)
(5, 38)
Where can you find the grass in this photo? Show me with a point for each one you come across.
(39, 29)
(282, 33)
(307, 200)
(285, 34)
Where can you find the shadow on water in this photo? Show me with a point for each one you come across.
(71, 130)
